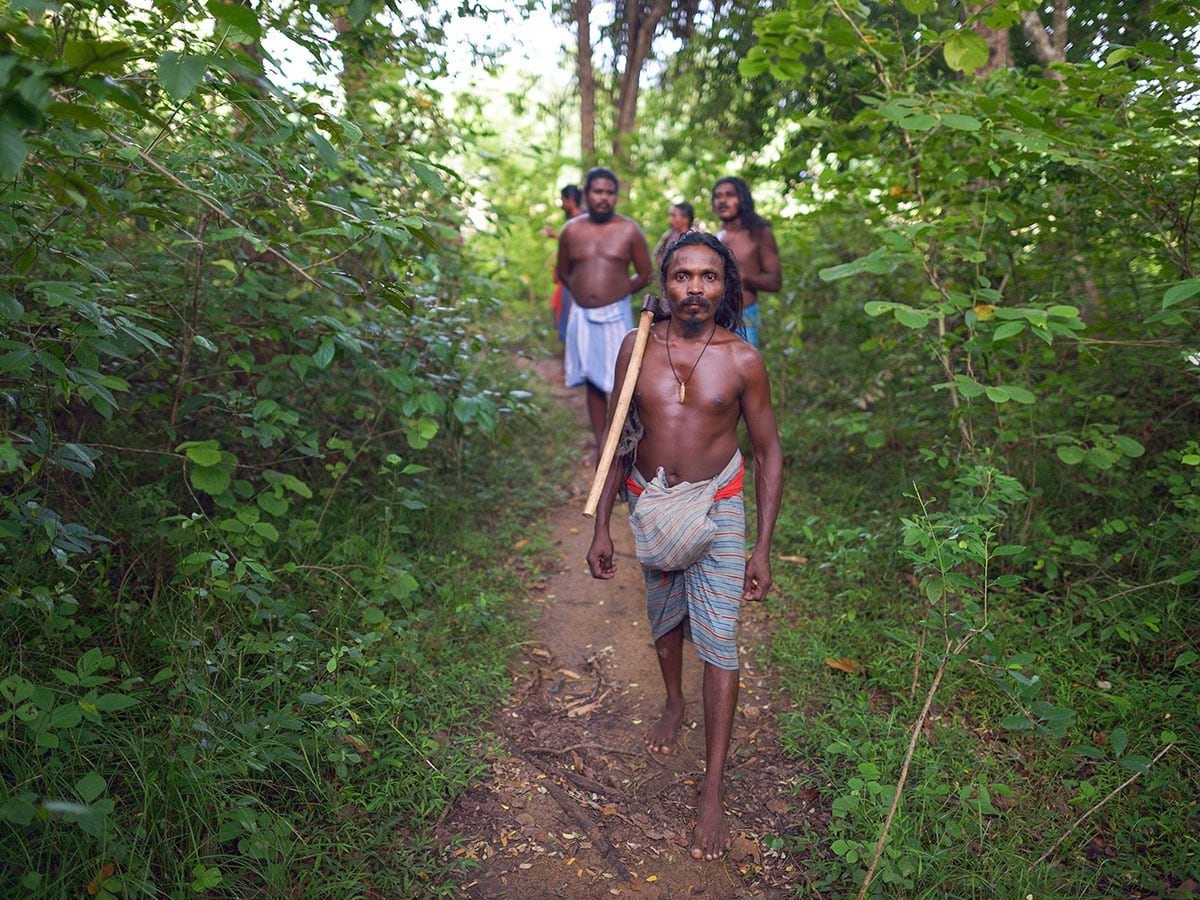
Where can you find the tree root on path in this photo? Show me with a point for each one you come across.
(571, 808)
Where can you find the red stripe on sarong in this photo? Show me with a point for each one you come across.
(724, 493)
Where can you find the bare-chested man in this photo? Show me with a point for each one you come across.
(595, 252)
(750, 238)
(697, 381)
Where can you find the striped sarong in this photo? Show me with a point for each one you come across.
(593, 340)
(706, 597)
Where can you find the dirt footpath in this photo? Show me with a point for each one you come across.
(575, 806)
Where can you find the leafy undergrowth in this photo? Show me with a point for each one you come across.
(291, 726)
(1053, 700)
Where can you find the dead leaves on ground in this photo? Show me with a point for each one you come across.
(845, 664)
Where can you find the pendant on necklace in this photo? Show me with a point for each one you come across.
(682, 391)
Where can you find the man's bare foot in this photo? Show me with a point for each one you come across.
(660, 738)
(590, 459)
(710, 837)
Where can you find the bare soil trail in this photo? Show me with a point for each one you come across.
(575, 805)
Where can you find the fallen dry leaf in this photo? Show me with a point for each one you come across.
(845, 664)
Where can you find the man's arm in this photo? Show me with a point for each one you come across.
(641, 261)
(759, 416)
(562, 267)
(770, 278)
(600, 557)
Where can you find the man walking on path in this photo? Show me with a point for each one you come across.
(571, 201)
(697, 381)
(595, 252)
(750, 238)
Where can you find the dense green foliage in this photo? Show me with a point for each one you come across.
(997, 393)
(256, 420)
(248, 398)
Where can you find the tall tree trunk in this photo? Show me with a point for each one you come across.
(354, 75)
(1048, 46)
(587, 81)
(997, 41)
(640, 26)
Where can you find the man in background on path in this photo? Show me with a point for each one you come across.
(571, 201)
(681, 218)
(595, 252)
(750, 238)
(697, 381)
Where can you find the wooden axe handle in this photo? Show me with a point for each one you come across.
(621, 410)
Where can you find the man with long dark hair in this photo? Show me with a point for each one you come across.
(595, 252)
(697, 382)
(750, 238)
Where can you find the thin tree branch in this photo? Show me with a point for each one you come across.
(1124, 784)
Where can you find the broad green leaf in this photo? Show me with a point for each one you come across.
(1119, 740)
(1007, 330)
(104, 57)
(241, 18)
(324, 355)
(1009, 550)
(918, 122)
(276, 506)
(296, 486)
(959, 122)
(90, 786)
(202, 453)
(180, 74)
(1102, 458)
(965, 50)
(1071, 455)
(13, 150)
(213, 480)
(1140, 764)
(17, 811)
(266, 530)
(325, 149)
(83, 116)
(912, 318)
(114, 702)
(968, 387)
(1128, 446)
(1177, 293)
(10, 306)
(429, 176)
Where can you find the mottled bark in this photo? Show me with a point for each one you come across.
(640, 27)
(587, 80)
(1049, 45)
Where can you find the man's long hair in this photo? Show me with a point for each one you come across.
(729, 310)
(599, 172)
(751, 220)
